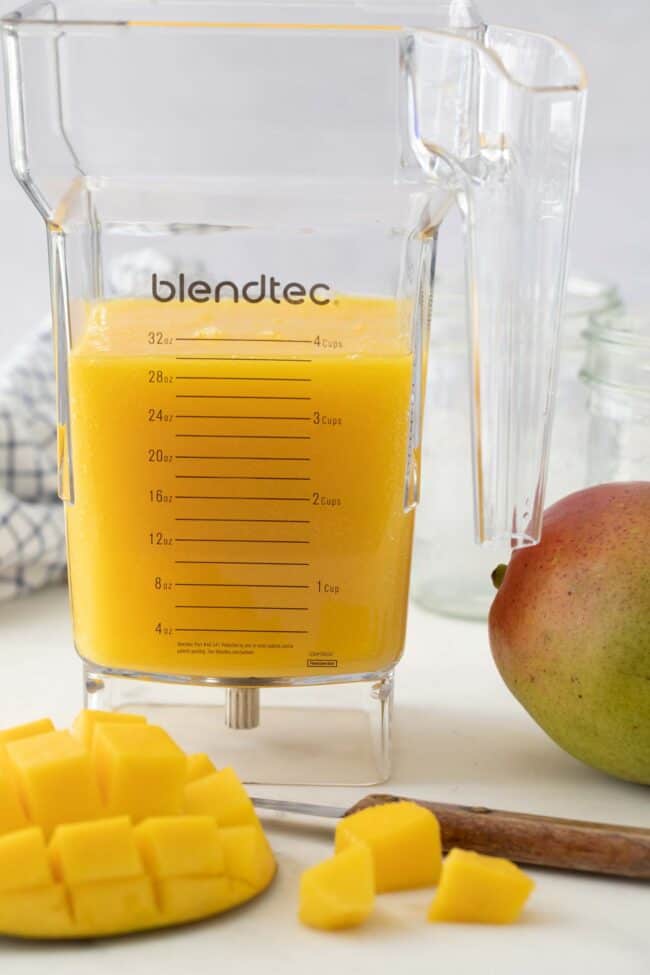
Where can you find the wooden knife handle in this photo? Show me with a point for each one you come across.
(545, 841)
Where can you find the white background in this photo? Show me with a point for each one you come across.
(612, 229)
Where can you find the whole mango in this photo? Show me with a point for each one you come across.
(570, 627)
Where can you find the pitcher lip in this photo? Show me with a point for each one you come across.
(20, 18)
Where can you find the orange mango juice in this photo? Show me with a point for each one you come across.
(238, 483)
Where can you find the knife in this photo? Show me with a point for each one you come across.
(545, 841)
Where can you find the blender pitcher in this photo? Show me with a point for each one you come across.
(242, 206)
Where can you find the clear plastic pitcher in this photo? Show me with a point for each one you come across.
(243, 204)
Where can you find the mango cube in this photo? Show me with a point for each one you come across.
(19, 731)
(23, 860)
(248, 856)
(479, 889)
(83, 726)
(189, 898)
(223, 796)
(40, 912)
(55, 779)
(111, 906)
(181, 846)
(404, 840)
(141, 771)
(102, 849)
(12, 814)
(339, 892)
(39, 727)
(198, 766)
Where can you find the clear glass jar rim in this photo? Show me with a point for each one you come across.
(617, 353)
(627, 328)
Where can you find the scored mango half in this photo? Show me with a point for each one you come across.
(111, 828)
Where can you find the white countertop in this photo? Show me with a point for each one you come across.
(460, 737)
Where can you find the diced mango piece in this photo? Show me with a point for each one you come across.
(40, 912)
(83, 726)
(481, 889)
(141, 771)
(103, 849)
(198, 766)
(55, 779)
(181, 846)
(12, 814)
(19, 731)
(189, 898)
(223, 796)
(248, 855)
(112, 906)
(339, 892)
(404, 840)
(23, 860)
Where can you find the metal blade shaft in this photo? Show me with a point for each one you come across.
(298, 808)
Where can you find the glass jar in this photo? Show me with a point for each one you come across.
(617, 376)
(450, 573)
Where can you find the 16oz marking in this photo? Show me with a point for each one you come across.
(158, 496)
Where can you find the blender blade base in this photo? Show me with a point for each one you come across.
(316, 734)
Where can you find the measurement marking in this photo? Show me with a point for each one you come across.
(304, 565)
(228, 457)
(221, 339)
(235, 358)
(241, 585)
(224, 416)
(239, 477)
(259, 521)
(250, 379)
(241, 436)
(231, 497)
(295, 609)
(209, 629)
(250, 541)
(224, 396)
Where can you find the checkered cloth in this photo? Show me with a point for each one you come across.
(32, 543)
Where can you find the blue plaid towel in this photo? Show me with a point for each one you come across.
(32, 542)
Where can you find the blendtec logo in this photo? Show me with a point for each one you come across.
(260, 289)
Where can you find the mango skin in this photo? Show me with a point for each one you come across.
(570, 628)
